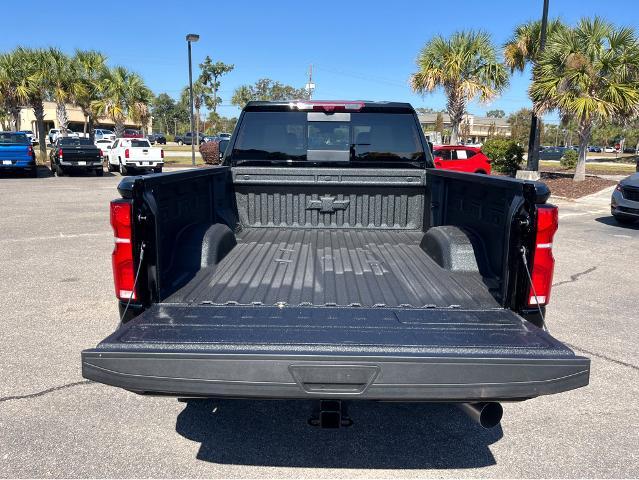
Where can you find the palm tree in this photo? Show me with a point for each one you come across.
(201, 96)
(34, 86)
(65, 83)
(589, 73)
(91, 69)
(465, 65)
(13, 86)
(121, 93)
(522, 48)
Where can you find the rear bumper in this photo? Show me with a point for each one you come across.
(270, 376)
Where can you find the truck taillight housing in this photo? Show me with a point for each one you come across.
(60, 153)
(122, 258)
(126, 153)
(543, 264)
(161, 153)
(30, 151)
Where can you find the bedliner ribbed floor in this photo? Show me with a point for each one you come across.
(333, 267)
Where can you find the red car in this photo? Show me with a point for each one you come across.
(131, 133)
(461, 158)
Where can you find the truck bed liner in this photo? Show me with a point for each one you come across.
(338, 267)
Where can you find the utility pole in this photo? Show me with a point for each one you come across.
(191, 37)
(533, 140)
(310, 86)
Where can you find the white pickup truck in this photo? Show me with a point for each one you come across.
(129, 154)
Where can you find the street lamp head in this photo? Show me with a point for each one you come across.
(192, 37)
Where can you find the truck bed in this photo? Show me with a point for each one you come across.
(338, 267)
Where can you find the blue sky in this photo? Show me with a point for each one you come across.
(359, 49)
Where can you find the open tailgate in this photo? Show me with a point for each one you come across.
(377, 353)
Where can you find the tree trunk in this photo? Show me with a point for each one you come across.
(38, 111)
(455, 107)
(61, 116)
(15, 113)
(90, 127)
(584, 137)
(119, 127)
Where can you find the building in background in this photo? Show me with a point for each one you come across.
(76, 120)
(473, 129)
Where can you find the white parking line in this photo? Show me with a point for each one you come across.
(54, 237)
(622, 236)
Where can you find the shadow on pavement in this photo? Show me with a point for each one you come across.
(610, 220)
(384, 435)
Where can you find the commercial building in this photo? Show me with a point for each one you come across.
(473, 129)
(75, 116)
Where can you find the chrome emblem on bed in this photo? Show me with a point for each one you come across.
(327, 204)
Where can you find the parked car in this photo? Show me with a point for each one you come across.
(224, 135)
(53, 135)
(188, 138)
(594, 149)
(624, 204)
(104, 134)
(70, 155)
(461, 158)
(552, 153)
(629, 150)
(134, 154)
(328, 260)
(104, 145)
(609, 149)
(30, 135)
(16, 154)
(157, 137)
(132, 133)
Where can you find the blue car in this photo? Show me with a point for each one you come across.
(16, 153)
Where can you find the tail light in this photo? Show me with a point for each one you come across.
(101, 153)
(60, 153)
(122, 258)
(161, 153)
(329, 106)
(30, 151)
(126, 153)
(543, 261)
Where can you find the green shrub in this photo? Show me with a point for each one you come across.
(569, 160)
(505, 154)
(170, 138)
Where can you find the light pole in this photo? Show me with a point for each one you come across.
(190, 38)
(533, 140)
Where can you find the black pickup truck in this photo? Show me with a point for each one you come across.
(326, 259)
(70, 154)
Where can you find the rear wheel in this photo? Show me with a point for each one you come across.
(99, 172)
(157, 170)
(180, 143)
(481, 172)
(33, 173)
(123, 170)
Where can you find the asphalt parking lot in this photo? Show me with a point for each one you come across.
(57, 299)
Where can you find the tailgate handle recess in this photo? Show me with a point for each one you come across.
(343, 379)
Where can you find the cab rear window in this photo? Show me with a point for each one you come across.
(7, 138)
(351, 139)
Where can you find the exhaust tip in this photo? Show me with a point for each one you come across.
(486, 414)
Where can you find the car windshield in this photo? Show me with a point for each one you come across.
(140, 143)
(75, 141)
(7, 138)
(355, 139)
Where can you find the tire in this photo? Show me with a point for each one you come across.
(59, 172)
(33, 173)
(123, 170)
(111, 168)
(99, 172)
(180, 143)
(481, 172)
(624, 220)
(157, 170)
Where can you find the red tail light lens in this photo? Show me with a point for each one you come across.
(60, 153)
(161, 153)
(126, 153)
(543, 260)
(122, 258)
(329, 106)
(101, 153)
(30, 151)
